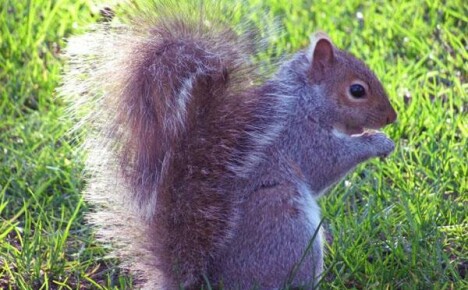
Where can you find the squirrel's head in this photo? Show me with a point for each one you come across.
(357, 98)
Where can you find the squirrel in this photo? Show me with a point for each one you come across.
(203, 171)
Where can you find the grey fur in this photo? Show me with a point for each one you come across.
(199, 172)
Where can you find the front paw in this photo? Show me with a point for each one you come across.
(380, 143)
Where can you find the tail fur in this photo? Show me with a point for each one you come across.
(177, 123)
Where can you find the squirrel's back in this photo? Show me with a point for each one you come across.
(178, 124)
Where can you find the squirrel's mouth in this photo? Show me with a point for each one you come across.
(355, 131)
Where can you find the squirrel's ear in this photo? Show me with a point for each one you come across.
(320, 52)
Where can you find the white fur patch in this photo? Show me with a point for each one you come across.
(183, 98)
(310, 208)
(337, 133)
(176, 121)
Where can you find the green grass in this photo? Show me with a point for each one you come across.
(398, 224)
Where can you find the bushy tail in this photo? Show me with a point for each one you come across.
(176, 122)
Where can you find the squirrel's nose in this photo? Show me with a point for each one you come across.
(391, 117)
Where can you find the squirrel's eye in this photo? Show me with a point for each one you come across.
(357, 91)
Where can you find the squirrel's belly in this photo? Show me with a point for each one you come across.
(273, 245)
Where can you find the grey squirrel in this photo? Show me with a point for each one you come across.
(201, 172)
